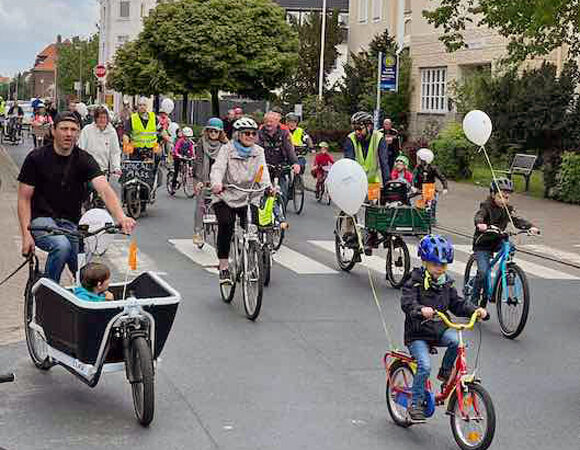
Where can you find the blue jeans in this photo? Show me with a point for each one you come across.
(61, 249)
(483, 258)
(420, 351)
(284, 182)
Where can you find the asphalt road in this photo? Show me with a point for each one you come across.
(306, 375)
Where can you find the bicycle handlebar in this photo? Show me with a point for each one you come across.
(458, 326)
(495, 230)
(107, 228)
(247, 191)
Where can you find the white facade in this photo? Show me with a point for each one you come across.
(120, 21)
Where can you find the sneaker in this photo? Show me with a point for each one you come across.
(197, 239)
(416, 414)
(225, 277)
(443, 375)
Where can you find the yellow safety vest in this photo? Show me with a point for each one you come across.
(142, 137)
(370, 164)
(2, 108)
(297, 136)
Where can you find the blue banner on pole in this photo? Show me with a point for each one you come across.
(389, 73)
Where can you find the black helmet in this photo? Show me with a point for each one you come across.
(292, 117)
(501, 184)
(361, 118)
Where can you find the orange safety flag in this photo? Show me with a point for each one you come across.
(259, 174)
(133, 255)
(128, 148)
(428, 191)
(374, 192)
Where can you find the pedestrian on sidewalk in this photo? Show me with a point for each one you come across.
(51, 192)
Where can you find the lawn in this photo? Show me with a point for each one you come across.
(482, 176)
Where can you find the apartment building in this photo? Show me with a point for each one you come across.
(434, 69)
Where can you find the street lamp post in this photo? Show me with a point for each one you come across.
(322, 46)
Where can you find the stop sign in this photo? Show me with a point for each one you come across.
(100, 71)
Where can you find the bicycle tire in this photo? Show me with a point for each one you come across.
(133, 203)
(188, 182)
(227, 291)
(298, 194)
(267, 264)
(345, 264)
(401, 420)
(501, 307)
(469, 280)
(405, 263)
(32, 339)
(143, 384)
(278, 233)
(455, 417)
(254, 262)
(169, 183)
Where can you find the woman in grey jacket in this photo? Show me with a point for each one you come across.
(238, 163)
(101, 141)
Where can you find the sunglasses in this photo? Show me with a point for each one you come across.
(249, 133)
(212, 130)
(359, 127)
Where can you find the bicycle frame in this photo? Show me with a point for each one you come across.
(499, 264)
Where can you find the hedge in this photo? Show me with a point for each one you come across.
(568, 179)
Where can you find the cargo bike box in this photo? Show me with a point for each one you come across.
(399, 220)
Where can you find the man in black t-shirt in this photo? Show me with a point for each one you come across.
(52, 185)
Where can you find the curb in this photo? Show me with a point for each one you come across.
(8, 170)
(521, 250)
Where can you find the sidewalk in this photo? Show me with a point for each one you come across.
(559, 222)
(11, 297)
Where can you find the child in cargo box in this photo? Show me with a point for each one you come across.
(95, 279)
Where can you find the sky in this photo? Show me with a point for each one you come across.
(28, 26)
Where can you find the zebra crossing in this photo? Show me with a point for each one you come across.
(302, 264)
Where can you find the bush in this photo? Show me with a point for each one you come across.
(568, 179)
(454, 154)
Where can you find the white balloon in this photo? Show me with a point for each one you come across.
(167, 106)
(477, 127)
(347, 185)
(97, 218)
(82, 109)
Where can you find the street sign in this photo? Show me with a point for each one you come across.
(100, 71)
(389, 73)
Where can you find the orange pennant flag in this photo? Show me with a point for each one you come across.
(133, 255)
(258, 177)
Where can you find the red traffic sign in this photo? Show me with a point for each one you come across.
(100, 71)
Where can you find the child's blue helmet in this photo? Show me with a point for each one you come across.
(436, 249)
(215, 123)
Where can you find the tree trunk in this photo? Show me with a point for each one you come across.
(215, 102)
(184, 116)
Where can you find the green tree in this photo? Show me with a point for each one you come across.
(304, 81)
(135, 71)
(242, 46)
(76, 60)
(534, 27)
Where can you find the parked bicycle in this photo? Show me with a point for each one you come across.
(185, 178)
(245, 261)
(469, 405)
(507, 284)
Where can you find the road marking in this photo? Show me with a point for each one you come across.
(290, 259)
(378, 263)
(555, 253)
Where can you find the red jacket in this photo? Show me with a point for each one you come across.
(406, 174)
(323, 159)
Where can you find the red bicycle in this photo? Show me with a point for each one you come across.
(321, 192)
(469, 405)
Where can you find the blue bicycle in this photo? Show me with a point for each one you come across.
(507, 284)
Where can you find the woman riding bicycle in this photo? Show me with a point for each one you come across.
(237, 163)
(206, 151)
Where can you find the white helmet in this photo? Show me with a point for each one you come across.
(245, 123)
(167, 106)
(426, 155)
(187, 132)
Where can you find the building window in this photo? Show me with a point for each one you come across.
(124, 10)
(363, 11)
(121, 40)
(377, 10)
(433, 90)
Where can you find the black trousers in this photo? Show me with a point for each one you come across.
(226, 218)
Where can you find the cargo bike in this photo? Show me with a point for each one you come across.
(92, 338)
(388, 224)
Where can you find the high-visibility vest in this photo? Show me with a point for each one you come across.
(370, 164)
(297, 136)
(142, 137)
(2, 108)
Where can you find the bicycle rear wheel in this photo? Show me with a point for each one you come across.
(512, 306)
(169, 182)
(398, 392)
(253, 280)
(398, 262)
(345, 242)
(143, 380)
(298, 195)
(475, 429)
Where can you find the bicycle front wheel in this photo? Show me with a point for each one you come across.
(398, 262)
(475, 428)
(169, 182)
(188, 181)
(134, 205)
(253, 280)
(513, 303)
(143, 380)
(345, 242)
(298, 194)
(34, 341)
(228, 290)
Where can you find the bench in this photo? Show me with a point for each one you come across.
(523, 165)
